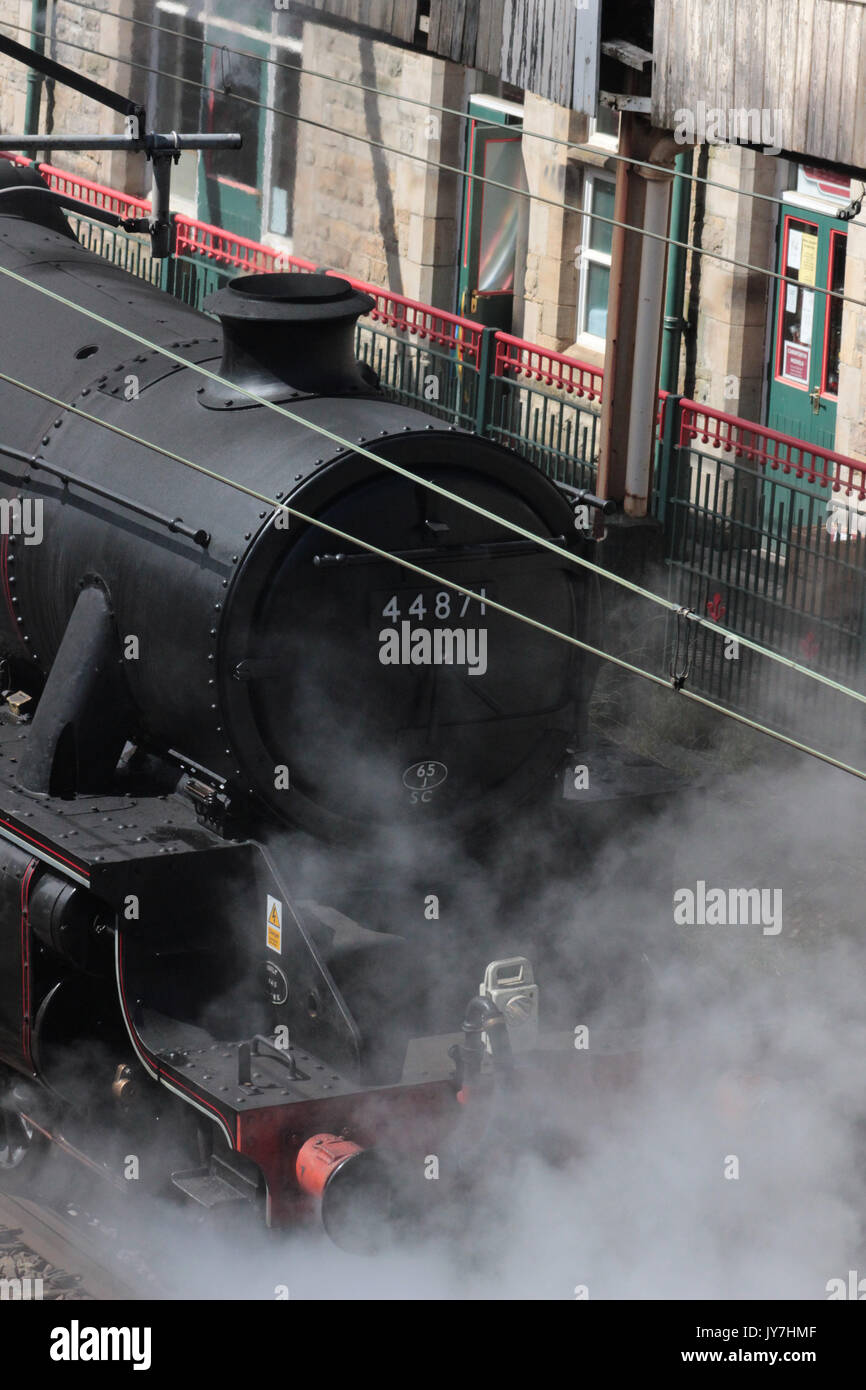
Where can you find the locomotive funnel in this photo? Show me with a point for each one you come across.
(286, 335)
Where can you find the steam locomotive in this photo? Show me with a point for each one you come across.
(219, 718)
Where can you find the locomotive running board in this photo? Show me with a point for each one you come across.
(219, 1184)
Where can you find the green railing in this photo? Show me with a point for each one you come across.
(131, 253)
(764, 535)
(546, 405)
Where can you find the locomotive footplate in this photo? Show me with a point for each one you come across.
(86, 835)
(202, 929)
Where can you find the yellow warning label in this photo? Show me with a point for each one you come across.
(808, 260)
(275, 924)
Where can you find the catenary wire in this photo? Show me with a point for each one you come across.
(362, 451)
(462, 589)
(451, 169)
(431, 106)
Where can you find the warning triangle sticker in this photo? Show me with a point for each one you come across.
(274, 919)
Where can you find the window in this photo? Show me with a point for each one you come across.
(594, 262)
(174, 98)
(797, 303)
(285, 96)
(833, 316)
(231, 102)
(604, 128)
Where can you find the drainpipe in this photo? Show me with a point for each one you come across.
(38, 21)
(644, 382)
(674, 323)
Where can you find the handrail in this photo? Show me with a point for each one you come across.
(421, 320)
(514, 357)
(768, 447)
(518, 357)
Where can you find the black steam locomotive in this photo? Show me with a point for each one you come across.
(214, 713)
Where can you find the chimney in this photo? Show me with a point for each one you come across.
(286, 335)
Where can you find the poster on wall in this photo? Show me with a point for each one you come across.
(795, 363)
(808, 259)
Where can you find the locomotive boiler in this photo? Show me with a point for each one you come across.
(200, 683)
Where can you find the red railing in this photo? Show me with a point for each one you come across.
(518, 358)
(193, 237)
(660, 414)
(514, 357)
(422, 321)
(98, 194)
(215, 244)
(770, 449)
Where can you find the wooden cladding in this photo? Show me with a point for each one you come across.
(394, 19)
(800, 63)
(529, 43)
(467, 31)
(549, 47)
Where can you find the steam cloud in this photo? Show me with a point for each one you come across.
(707, 1045)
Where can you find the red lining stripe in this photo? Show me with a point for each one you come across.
(25, 961)
(154, 1060)
(19, 830)
(4, 568)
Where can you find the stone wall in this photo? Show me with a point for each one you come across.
(65, 111)
(549, 311)
(386, 218)
(731, 324)
(851, 410)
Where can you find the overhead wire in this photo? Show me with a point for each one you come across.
(450, 168)
(714, 627)
(362, 451)
(462, 589)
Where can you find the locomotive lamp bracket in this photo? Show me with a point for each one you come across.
(16, 701)
(212, 806)
(162, 150)
(510, 986)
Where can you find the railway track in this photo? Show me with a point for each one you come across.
(49, 1253)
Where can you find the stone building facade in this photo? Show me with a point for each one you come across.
(390, 219)
(394, 217)
(92, 44)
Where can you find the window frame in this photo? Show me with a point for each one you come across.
(836, 236)
(778, 364)
(589, 256)
(603, 139)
